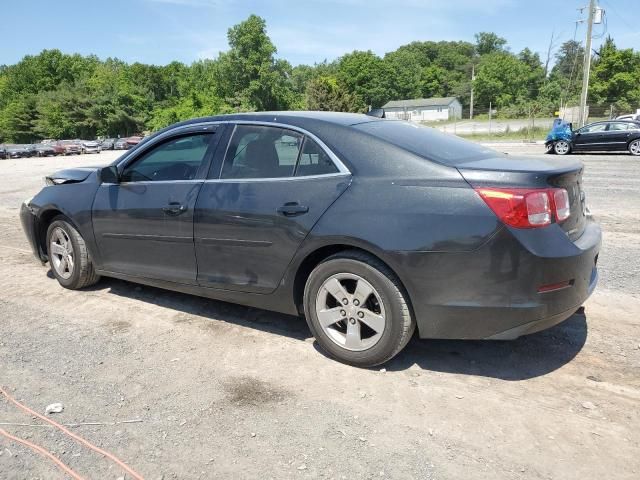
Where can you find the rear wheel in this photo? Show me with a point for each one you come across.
(634, 147)
(561, 147)
(357, 309)
(69, 258)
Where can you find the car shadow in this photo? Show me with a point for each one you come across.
(527, 357)
(524, 358)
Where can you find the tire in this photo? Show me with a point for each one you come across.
(562, 147)
(79, 272)
(387, 300)
(634, 147)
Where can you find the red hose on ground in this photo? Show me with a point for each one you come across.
(44, 453)
(86, 443)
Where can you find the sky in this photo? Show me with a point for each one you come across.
(304, 31)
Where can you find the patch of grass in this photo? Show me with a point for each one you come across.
(523, 134)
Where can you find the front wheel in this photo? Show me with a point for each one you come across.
(561, 147)
(69, 258)
(634, 147)
(357, 309)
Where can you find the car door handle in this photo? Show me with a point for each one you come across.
(291, 209)
(174, 209)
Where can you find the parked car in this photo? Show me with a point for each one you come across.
(369, 227)
(133, 141)
(19, 151)
(120, 144)
(612, 135)
(3, 152)
(90, 146)
(67, 147)
(44, 150)
(107, 143)
(630, 116)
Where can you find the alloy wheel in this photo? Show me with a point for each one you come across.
(634, 147)
(561, 147)
(350, 311)
(61, 251)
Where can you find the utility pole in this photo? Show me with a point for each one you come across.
(473, 77)
(582, 117)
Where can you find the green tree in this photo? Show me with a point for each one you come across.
(501, 79)
(326, 93)
(489, 42)
(248, 75)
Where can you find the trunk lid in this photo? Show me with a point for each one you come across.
(523, 172)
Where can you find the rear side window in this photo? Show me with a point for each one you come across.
(314, 160)
(261, 152)
(618, 126)
(427, 142)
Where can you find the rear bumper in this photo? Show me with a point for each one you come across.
(30, 226)
(492, 292)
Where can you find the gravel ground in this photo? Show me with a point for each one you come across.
(223, 391)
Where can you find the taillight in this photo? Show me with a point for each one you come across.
(527, 208)
(561, 204)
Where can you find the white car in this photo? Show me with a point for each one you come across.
(91, 146)
(630, 116)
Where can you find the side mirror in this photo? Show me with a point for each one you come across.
(109, 174)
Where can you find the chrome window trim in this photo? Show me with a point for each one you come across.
(342, 168)
(276, 179)
(152, 182)
(163, 137)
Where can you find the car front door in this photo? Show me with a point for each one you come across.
(258, 207)
(144, 224)
(589, 137)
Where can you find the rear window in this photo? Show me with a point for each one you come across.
(428, 142)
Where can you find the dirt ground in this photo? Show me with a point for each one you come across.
(223, 391)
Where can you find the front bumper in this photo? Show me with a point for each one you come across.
(492, 292)
(30, 226)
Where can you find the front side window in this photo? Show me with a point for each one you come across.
(599, 127)
(261, 152)
(176, 159)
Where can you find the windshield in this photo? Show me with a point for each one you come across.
(428, 142)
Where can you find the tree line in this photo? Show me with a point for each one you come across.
(58, 95)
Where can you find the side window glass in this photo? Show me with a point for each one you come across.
(618, 126)
(261, 152)
(594, 128)
(314, 160)
(176, 159)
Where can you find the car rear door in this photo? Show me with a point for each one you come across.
(270, 187)
(617, 135)
(143, 225)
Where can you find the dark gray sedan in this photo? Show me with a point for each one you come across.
(368, 227)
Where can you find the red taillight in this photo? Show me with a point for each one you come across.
(561, 204)
(527, 208)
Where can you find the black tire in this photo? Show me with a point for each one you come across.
(634, 147)
(83, 273)
(399, 322)
(562, 147)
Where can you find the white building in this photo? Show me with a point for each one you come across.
(424, 109)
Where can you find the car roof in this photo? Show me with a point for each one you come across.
(295, 118)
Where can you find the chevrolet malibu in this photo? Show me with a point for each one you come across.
(370, 228)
